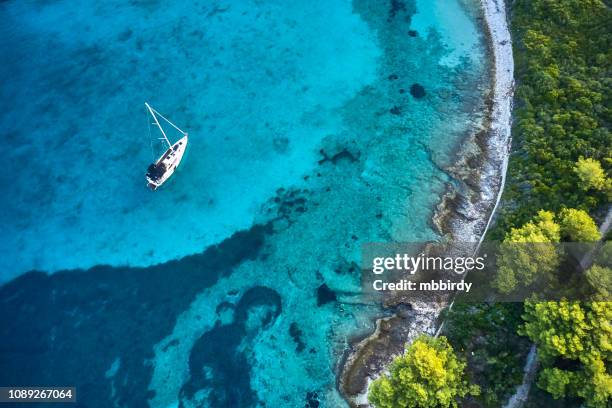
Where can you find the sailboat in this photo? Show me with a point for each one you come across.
(164, 167)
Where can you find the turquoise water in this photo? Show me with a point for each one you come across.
(237, 283)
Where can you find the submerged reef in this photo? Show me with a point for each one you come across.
(417, 91)
(217, 363)
(68, 328)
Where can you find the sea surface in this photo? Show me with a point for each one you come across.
(315, 126)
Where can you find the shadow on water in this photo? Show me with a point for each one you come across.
(68, 328)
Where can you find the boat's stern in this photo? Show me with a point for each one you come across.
(152, 185)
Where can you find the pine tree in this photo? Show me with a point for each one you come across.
(428, 375)
(574, 343)
(578, 226)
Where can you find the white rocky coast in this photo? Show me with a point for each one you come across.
(494, 172)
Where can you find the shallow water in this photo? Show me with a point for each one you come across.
(237, 283)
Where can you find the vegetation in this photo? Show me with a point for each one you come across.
(600, 279)
(526, 263)
(578, 226)
(428, 375)
(559, 174)
(574, 343)
(521, 265)
(486, 335)
(591, 174)
(542, 228)
(561, 138)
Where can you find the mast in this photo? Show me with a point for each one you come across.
(158, 125)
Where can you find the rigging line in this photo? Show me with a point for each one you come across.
(161, 129)
(172, 124)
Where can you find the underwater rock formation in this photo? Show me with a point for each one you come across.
(417, 91)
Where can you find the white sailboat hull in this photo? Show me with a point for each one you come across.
(166, 165)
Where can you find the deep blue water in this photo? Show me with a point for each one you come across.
(315, 127)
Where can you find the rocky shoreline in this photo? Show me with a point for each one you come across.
(463, 215)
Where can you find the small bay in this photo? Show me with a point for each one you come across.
(315, 127)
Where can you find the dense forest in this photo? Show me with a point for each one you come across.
(562, 109)
(558, 189)
(558, 181)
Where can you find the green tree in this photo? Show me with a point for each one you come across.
(574, 343)
(600, 279)
(542, 228)
(427, 375)
(591, 174)
(519, 264)
(578, 226)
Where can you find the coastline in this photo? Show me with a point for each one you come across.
(473, 210)
(464, 214)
